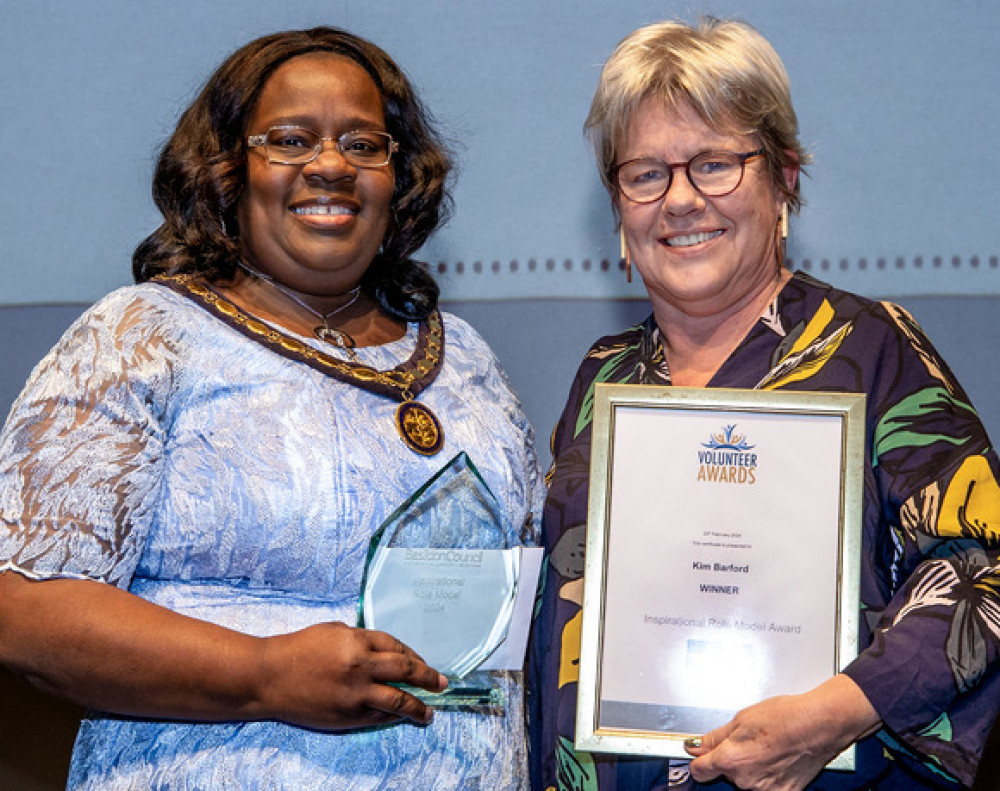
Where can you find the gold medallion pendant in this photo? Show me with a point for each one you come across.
(419, 428)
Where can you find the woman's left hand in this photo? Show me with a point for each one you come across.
(784, 742)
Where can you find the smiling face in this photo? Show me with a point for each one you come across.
(698, 256)
(315, 227)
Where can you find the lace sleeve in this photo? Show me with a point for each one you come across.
(81, 453)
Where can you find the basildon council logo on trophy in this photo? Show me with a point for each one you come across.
(728, 458)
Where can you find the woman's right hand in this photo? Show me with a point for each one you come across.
(332, 676)
(110, 650)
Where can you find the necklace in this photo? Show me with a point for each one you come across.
(416, 424)
(334, 337)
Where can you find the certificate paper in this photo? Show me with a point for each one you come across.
(722, 558)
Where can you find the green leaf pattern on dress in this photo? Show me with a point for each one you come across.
(896, 429)
(576, 770)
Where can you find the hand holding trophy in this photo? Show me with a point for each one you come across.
(442, 576)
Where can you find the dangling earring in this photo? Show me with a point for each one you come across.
(784, 221)
(626, 257)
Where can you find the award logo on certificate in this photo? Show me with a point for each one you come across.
(442, 578)
(722, 558)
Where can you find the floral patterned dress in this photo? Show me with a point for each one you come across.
(930, 587)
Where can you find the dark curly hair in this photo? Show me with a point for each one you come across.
(201, 173)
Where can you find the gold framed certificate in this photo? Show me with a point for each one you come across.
(722, 558)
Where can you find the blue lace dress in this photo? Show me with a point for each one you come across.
(159, 449)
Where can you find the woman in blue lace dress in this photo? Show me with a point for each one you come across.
(190, 479)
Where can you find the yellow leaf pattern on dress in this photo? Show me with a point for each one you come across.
(908, 326)
(569, 659)
(809, 353)
(971, 505)
(814, 329)
(794, 367)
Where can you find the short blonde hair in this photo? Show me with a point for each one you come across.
(726, 70)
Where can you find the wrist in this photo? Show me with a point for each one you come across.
(848, 707)
(260, 681)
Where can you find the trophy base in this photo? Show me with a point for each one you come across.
(473, 692)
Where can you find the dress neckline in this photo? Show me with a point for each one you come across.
(401, 383)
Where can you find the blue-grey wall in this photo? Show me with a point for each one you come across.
(895, 99)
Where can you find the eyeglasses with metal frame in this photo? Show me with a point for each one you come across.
(714, 174)
(295, 145)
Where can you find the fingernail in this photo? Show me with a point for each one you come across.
(692, 741)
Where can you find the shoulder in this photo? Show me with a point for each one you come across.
(472, 373)
(813, 293)
(470, 362)
(135, 324)
(124, 349)
(137, 305)
(847, 304)
(810, 304)
(149, 293)
(618, 357)
(874, 333)
(613, 357)
(878, 348)
(629, 337)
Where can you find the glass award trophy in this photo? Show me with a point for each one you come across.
(441, 577)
